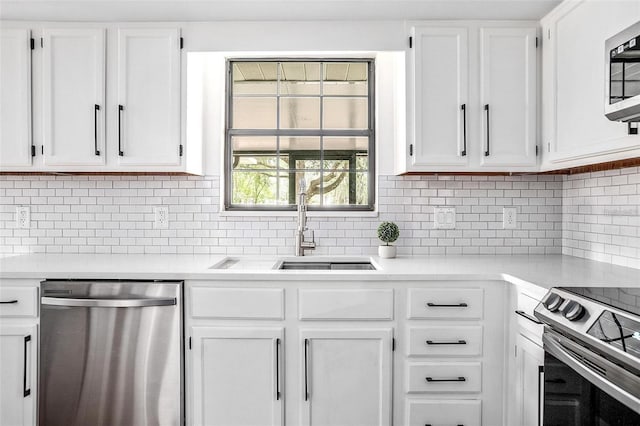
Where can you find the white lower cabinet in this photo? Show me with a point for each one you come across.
(529, 381)
(18, 374)
(444, 412)
(237, 376)
(346, 376)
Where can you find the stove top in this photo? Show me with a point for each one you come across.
(625, 299)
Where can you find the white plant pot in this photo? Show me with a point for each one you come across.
(387, 252)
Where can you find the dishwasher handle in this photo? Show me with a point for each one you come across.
(107, 303)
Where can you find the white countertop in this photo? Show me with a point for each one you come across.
(543, 270)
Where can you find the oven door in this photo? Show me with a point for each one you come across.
(583, 389)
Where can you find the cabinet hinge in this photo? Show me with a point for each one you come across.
(181, 150)
(181, 42)
(410, 42)
(411, 149)
(537, 42)
(189, 343)
(393, 344)
(33, 150)
(41, 42)
(33, 43)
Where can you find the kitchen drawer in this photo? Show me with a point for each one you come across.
(19, 301)
(444, 412)
(445, 303)
(237, 303)
(438, 377)
(345, 304)
(445, 340)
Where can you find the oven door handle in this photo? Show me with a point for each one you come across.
(552, 344)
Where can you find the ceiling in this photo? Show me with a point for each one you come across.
(272, 10)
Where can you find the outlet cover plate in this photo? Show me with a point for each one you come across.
(23, 217)
(509, 218)
(161, 217)
(444, 218)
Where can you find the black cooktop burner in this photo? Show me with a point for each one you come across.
(625, 299)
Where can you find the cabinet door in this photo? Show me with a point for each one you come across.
(440, 97)
(529, 381)
(73, 96)
(15, 102)
(579, 128)
(345, 377)
(508, 73)
(237, 376)
(18, 374)
(148, 97)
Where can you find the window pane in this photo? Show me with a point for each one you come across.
(335, 165)
(254, 113)
(299, 78)
(345, 79)
(260, 188)
(299, 113)
(345, 113)
(254, 78)
(253, 143)
(362, 163)
(299, 143)
(312, 180)
(308, 164)
(346, 143)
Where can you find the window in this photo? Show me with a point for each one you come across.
(293, 121)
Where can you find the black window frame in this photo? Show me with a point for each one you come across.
(316, 155)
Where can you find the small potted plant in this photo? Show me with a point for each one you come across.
(388, 232)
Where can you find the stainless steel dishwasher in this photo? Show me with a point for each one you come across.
(111, 353)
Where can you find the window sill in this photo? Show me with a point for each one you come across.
(293, 214)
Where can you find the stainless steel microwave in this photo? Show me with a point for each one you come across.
(622, 58)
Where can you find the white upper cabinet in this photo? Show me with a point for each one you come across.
(508, 74)
(575, 129)
(346, 377)
(148, 105)
(73, 85)
(471, 98)
(15, 102)
(440, 94)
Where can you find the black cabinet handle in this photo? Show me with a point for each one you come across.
(529, 317)
(429, 424)
(463, 107)
(96, 108)
(306, 370)
(455, 379)
(26, 392)
(540, 392)
(441, 305)
(8, 302)
(486, 109)
(277, 369)
(452, 342)
(120, 108)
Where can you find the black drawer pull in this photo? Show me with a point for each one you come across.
(429, 424)
(120, 109)
(529, 317)
(8, 302)
(26, 392)
(486, 108)
(463, 107)
(439, 305)
(456, 379)
(452, 342)
(96, 108)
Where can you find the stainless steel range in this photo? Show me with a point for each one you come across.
(111, 353)
(592, 356)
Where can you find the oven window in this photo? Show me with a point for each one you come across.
(571, 400)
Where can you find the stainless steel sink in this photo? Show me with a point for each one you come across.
(326, 265)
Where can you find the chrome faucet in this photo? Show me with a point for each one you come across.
(301, 243)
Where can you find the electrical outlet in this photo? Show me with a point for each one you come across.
(161, 217)
(23, 217)
(509, 219)
(444, 217)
